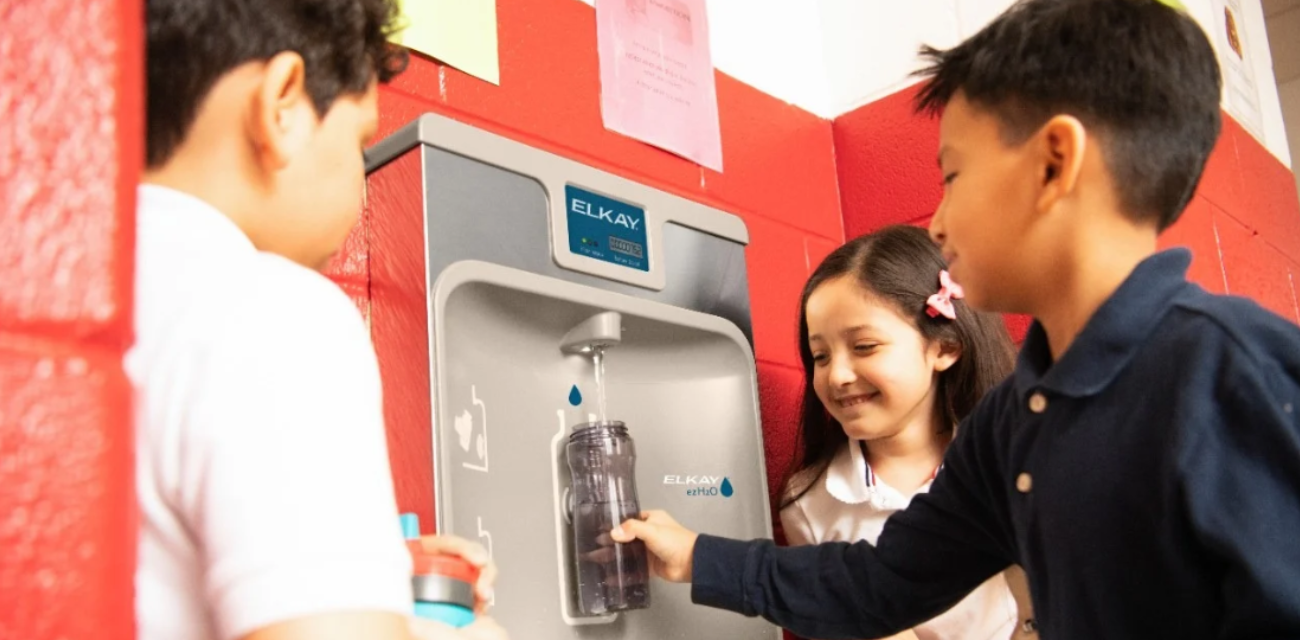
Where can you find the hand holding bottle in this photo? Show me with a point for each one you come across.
(671, 545)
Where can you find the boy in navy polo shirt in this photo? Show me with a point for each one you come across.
(1143, 462)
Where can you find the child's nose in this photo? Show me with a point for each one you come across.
(841, 373)
(936, 226)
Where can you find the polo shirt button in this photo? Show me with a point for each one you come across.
(1024, 482)
(1038, 402)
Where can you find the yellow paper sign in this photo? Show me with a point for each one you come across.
(461, 33)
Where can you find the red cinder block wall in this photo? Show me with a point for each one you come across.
(1243, 226)
(71, 133)
(70, 153)
(779, 177)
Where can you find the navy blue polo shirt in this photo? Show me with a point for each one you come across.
(1148, 482)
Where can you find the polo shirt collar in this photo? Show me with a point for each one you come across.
(1111, 337)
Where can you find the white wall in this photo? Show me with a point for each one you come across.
(771, 45)
(1283, 17)
(1255, 36)
(832, 56)
(826, 56)
(869, 46)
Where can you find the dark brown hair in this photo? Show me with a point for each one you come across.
(1139, 74)
(191, 44)
(900, 265)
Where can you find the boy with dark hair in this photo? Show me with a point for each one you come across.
(266, 500)
(1143, 461)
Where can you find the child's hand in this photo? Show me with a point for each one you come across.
(475, 554)
(483, 628)
(670, 544)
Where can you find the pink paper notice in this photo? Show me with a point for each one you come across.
(656, 76)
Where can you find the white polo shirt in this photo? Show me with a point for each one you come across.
(849, 504)
(262, 468)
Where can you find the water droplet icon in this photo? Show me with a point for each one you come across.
(726, 488)
(575, 396)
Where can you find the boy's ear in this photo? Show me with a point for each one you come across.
(283, 118)
(948, 354)
(1062, 141)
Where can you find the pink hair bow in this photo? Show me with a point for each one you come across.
(940, 304)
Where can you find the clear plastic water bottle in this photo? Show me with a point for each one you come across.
(611, 576)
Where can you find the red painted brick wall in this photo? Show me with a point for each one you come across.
(1243, 226)
(70, 150)
(779, 177)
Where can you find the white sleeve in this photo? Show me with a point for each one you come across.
(286, 482)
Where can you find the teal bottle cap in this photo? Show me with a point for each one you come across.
(410, 526)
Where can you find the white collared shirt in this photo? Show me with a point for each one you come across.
(844, 506)
(262, 466)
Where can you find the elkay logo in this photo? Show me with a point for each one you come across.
(702, 485)
(604, 214)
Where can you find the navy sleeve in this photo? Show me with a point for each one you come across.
(1239, 469)
(928, 558)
